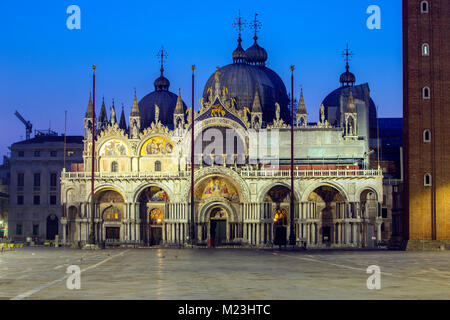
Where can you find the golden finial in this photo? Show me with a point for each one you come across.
(193, 67)
(94, 67)
(292, 68)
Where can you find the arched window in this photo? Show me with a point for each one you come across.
(427, 180)
(424, 7)
(427, 136)
(157, 165)
(425, 49)
(114, 166)
(426, 93)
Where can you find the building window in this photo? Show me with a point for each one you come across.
(424, 7)
(157, 165)
(53, 179)
(37, 179)
(425, 49)
(21, 154)
(426, 93)
(53, 200)
(70, 153)
(427, 136)
(427, 180)
(35, 229)
(18, 229)
(384, 213)
(114, 166)
(36, 200)
(20, 179)
(20, 200)
(53, 153)
(382, 227)
(37, 153)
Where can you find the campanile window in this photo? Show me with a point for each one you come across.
(424, 7)
(427, 136)
(425, 49)
(427, 180)
(426, 93)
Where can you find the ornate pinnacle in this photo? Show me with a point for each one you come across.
(256, 25)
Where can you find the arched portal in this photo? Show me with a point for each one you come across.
(110, 208)
(330, 206)
(218, 201)
(276, 204)
(218, 226)
(152, 206)
(52, 227)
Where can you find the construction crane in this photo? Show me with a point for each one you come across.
(28, 124)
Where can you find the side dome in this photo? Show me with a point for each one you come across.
(165, 100)
(256, 55)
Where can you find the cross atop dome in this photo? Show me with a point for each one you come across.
(256, 25)
(347, 54)
(239, 24)
(162, 54)
(347, 78)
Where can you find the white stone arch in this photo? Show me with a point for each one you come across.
(137, 192)
(269, 185)
(368, 188)
(68, 199)
(222, 172)
(216, 202)
(313, 186)
(108, 187)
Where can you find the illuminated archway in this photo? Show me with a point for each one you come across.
(152, 205)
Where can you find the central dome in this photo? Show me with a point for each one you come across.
(242, 80)
(248, 75)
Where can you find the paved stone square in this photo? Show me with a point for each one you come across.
(40, 273)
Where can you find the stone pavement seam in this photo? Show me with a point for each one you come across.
(49, 284)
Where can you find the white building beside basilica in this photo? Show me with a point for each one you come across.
(142, 171)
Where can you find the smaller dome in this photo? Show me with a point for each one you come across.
(256, 55)
(162, 83)
(347, 78)
(239, 54)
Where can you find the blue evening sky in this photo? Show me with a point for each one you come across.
(45, 68)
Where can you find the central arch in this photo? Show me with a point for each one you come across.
(152, 209)
(218, 219)
(218, 201)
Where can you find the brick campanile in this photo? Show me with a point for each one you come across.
(426, 112)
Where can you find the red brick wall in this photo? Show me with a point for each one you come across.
(428, 208)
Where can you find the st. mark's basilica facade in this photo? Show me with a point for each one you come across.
(241, 162)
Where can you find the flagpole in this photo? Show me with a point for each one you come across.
(292, 209)
(193, 238)
(92, 231)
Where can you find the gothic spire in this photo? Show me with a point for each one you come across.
(256, 107)
(90, 107)
(103, 117)
(301, 105)
(135, 107)
(122, 123)
(179, 105)
(351, 103)
(113, 118)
